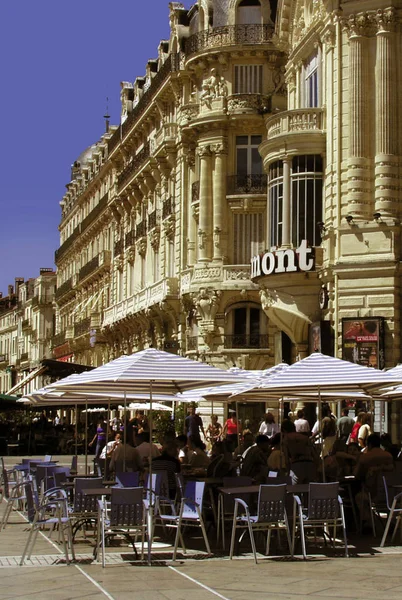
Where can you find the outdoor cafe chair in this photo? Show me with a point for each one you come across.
(60, 476)
(85, 507)
(14, 495)
(271, 514)
(189, 514)
(53, 511)
(123, 515)
(325, 509)
(393, 499)
(127, 479)
(226, 504)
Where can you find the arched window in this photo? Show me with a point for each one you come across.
(246, 327)
(249, 12)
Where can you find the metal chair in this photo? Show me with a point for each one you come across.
(325, 508)
(85, 508)
(190, 514)
(52, 511)
(271, 514)
(14, 494)
(226, 504)
(123, 515)
(392, 500)
(129, 479)
(48, 458)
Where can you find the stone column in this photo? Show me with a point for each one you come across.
(386, 159)
(286, 208)
(205, 223)
(359, 124)
(192, 224)
(219, 202)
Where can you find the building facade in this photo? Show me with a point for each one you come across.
(265, 129)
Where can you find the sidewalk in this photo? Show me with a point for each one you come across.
(370, 572)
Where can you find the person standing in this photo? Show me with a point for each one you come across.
(268, 427)
(99, 438)
(231, 430)
(301, 423)
(345, 425)
(193, 424)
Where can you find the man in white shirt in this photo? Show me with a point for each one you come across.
(301, 423)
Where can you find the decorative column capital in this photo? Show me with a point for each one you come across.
(220, 148)
(360, 25)
(204, 151)
(386, 20)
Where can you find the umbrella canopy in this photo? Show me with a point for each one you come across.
(168, 373)
(48, 397)
(319, 372)
(147, 406)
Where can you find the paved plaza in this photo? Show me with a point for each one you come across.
(371, 572)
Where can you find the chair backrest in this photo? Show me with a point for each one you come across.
(60, 475)
(271, 503)
(31, 500)
(6, 487)
(241, 481)
(279, 480)
(84, 503)
(126, 507)
(194, 491)
(74, 464)
(48, 458)
(128, 480)
(323, 501)
(44, 474)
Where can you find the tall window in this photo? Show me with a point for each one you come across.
(248, 236)
(248, 159)
(306, 199)
(311, 82)
(249, 12)
(247, 327)
(170, 259)
(275, 200)
(142, 271)
(248, 79)
(156, 265)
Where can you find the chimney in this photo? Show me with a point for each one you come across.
(10, 290)
(18, 282)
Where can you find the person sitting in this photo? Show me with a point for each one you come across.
(248, 441)
(221, 461)
(146, 448)
(268, 427)
(386, 444)
(197, 457)
(254, 463)
(168, 462)
(181, 443)
(301, 423)
(301, 456)
(125, 457)
(276, 459)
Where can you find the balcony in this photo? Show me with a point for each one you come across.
(24, 357)
(3, 358)
(95, 212)
(244, 341)
(167, 208)
(167, 135)
(249, 103)
(67, 243)
(65, 287)
(192, 343)
(152, 220)
(230, 35)
(41, 300)
(246, 184)
(141, 230)
(82, 327)
(130, 238)
(26, 324)
(136, 162)
(170, 65)
(195, 191)
(295, 122)
(58, 339)
(89, 268)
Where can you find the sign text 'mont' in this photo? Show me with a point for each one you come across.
(283, 261)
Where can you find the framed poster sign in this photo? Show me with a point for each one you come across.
(363, 341)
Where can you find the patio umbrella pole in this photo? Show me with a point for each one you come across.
(125, 432)
(105, 472)
(238, 423)
(320, 429)
(86, 438)
(151, 507)
(76, 432)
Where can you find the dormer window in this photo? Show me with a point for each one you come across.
(249, 12)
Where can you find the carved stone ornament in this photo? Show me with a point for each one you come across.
(217, 237)
(238, 275)
(202, 237)
(154, 237)
(142, 246)
(213, 87)
(207, 304)
(360, 25)
(130, 254)
(203, 151)
(188, 113)
(221, 148)
(118, 261)
(386, 20)
(169, 226)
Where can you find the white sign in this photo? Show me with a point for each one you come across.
(283, 261)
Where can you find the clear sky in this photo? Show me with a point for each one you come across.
(60, 59)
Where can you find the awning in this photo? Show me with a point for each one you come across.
(27, 379)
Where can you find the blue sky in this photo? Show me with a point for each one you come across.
(60, 60)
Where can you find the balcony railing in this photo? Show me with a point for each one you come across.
(230, 35)
(195, 191)
(172, 63)
(24, 356)
(3, 358)
(67, 243)
(246, 184)
(294, 121)
(82, 327)
(246, 341)
(141, 230)
(152, 220)
(167, 208)
(95, 212)
(65, 287)
(26, 324)
(119, 247)
(91, 266)
(133, 166)
(130, 238)
(59, 339)
(192, 343)
(40, 300)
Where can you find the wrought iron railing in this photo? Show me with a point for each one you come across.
(82, 327)
(152, 220)
(59, 339)
(3, 358)
(95, 212)
(246, 184)
(119, 247)
(24, 356)
(67, 243)
(133, 166)
(141, 230)
(89, 268)
(246, 341)
(167, 208)
(172, 63)
(43, 299)
(65, 287)
(130, 238)
(192, 343)
(195, 191)
(26, 323)
(230, 35)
